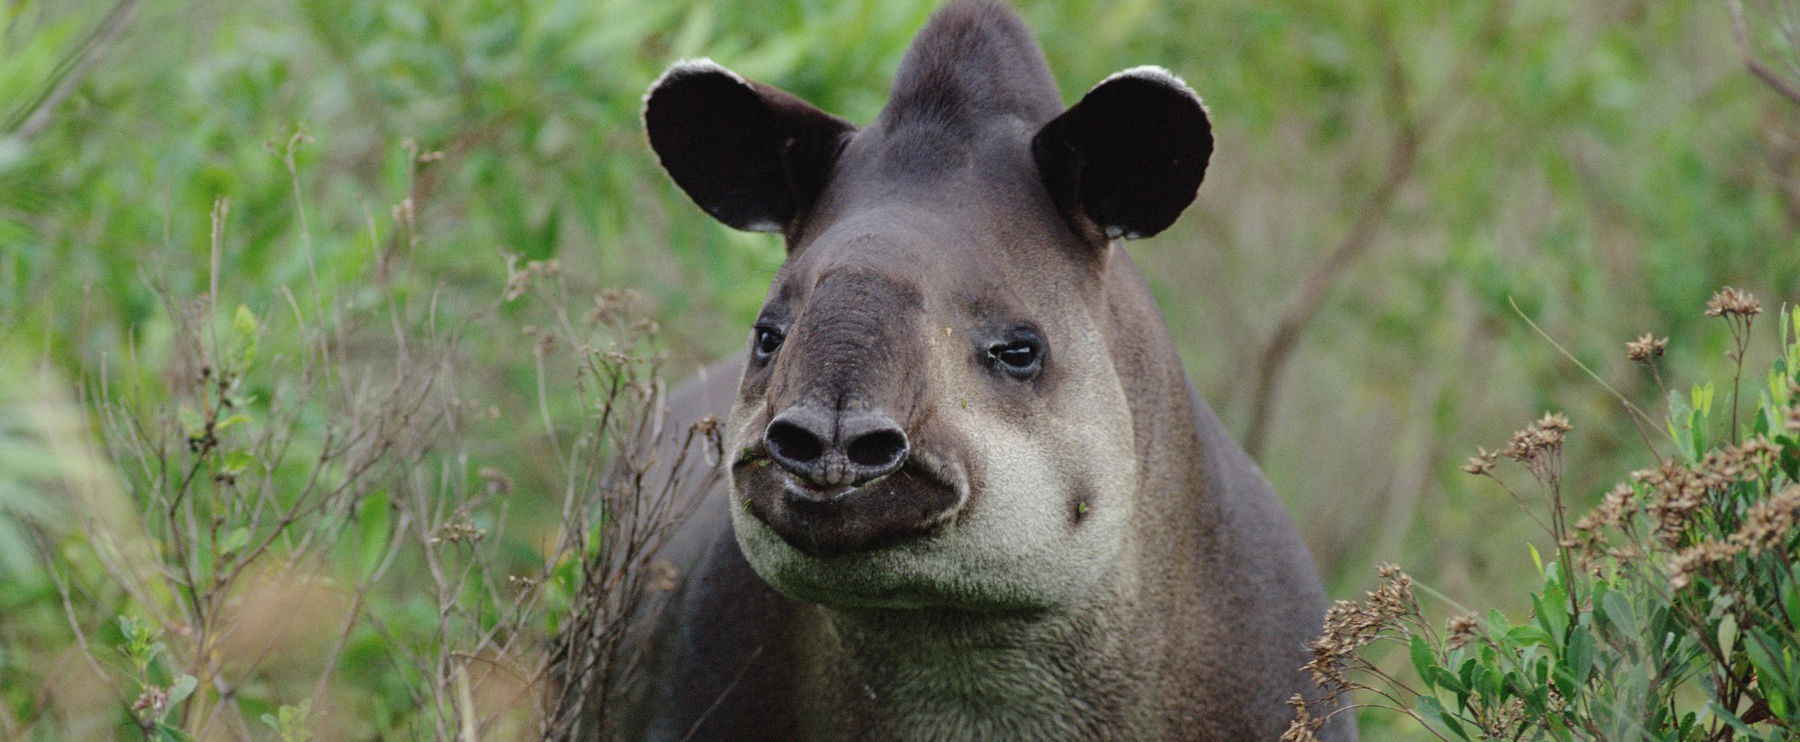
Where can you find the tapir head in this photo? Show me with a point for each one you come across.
(934, 409)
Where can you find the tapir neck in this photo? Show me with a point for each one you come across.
(908, 675)
(1092, 670)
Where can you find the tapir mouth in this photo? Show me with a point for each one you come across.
(912, 503)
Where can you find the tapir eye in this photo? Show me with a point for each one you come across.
(1021, 357)
(768, 340)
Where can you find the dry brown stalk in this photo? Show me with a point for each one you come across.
(1740, 31)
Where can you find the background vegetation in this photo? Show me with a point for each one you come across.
(371, 181)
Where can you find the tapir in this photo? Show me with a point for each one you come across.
(967, 490)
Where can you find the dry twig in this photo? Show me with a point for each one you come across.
(1740, 30)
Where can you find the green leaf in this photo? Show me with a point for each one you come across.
(1703, 399)
(1422, 660)
(191, 422)
(232, 420)
(179, 691)
(1450, 681)
(242, 350)
(235, 540)
(1552, 609)
(1447, 680)
(1597, 600)
(1730, 718)
(1619, 613)
(289, 721)
(1429, 707)
(1728, 633)
(1490, 684)
(1771, 671)
(1680, 422)
(373, 523)
(1528, 635)
(1790, 601)
(1578, 656)
(235, 462)
(166, 733)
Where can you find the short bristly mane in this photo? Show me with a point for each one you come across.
(974, 61)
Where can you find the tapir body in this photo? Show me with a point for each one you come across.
(968, 491)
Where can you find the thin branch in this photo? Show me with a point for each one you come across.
(1741, 31)
(1630, 407)
(1318, 284)
(1410, 136)
(35, 117)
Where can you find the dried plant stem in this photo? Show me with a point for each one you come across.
(1741, 32)
(1565, 558)
(1637, 414)
(1740, 337)
(1520, 501)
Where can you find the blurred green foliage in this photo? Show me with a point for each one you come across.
(1670, 612)
(1606, 166)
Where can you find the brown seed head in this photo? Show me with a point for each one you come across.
(1678, 494)
(1303, 727)
(1767, 523)
(151, 703)
(613, 306)
(1537, 445)
(1461, 630)
(1350, 626)
(1681, 569)
(1730, 302)
(1613, 509)
(1645, 348)
(1759, 452)
(459, 530)
(1481, 463)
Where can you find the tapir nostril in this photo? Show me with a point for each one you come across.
(792, 444)
(880, 450)
(866, 445)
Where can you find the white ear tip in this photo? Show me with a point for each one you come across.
(1157, 74)
(690, 68)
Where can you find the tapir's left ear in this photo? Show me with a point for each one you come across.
(1130, 156)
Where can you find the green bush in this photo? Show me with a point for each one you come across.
(353, 173)
(1671, 611)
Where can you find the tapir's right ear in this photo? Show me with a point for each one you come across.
(1128, 158)
(751, 155)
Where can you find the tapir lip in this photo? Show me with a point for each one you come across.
(802, 491)
(910, 504)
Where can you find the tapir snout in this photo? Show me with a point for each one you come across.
(853, 460)
(828, 449)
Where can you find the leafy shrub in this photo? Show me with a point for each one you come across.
(1671, 611)
(296, 530)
